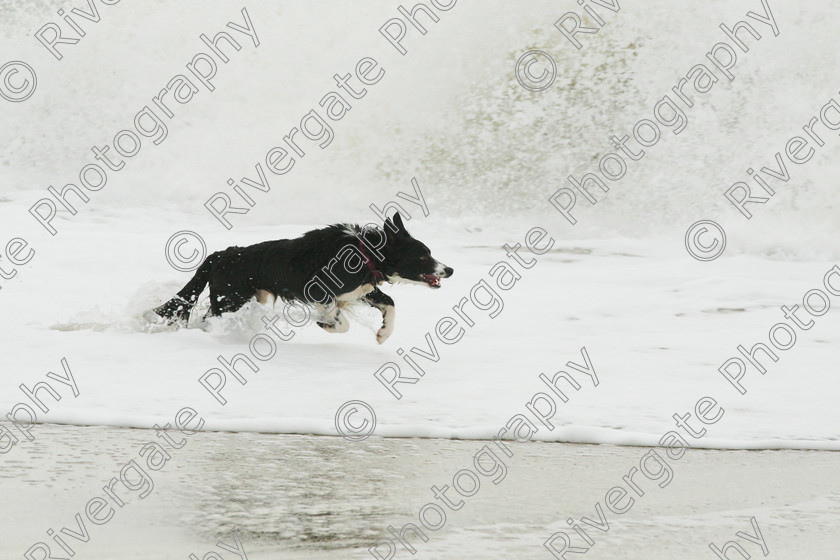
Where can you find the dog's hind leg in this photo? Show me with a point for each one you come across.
(177, 309)
(383, 302)
(264, 297)
(226, 301)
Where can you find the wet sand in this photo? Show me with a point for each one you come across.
(291, 496)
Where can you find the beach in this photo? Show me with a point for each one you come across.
(289, 496)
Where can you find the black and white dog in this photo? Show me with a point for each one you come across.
(326, 267)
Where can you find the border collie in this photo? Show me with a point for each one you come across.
(328, 268)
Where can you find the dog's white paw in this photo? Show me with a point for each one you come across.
(383, 333)
(203, 325)
(151, 317)
(339, 324)
(388, 315)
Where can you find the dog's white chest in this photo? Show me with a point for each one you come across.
(361, 291)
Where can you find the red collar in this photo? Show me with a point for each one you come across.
(377, 275)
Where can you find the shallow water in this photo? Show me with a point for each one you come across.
(290, 496)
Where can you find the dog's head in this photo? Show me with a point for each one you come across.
(411, 261)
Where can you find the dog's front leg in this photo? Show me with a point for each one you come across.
(331, 318)
(383, 302)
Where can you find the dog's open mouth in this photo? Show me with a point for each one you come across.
(431, 280)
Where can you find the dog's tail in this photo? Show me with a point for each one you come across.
(178, 308)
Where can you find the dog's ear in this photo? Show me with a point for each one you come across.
(394, 227)
(399, 223)
(389, 227)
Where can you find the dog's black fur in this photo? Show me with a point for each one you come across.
(327, 267)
